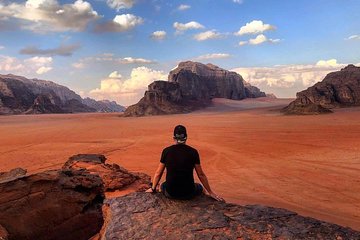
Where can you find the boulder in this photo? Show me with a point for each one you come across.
(338, 89)
(152, 216)
(12, 174)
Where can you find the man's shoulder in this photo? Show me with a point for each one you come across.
(191, 148)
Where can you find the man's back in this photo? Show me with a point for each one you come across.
(180, 160)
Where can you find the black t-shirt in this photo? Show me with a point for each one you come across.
(180, 160)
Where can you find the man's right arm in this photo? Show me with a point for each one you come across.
(205, 182)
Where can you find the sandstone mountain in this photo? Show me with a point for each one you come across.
(90, 199)
(338, 89)
(190, 86)
(103, 105)
(19, 95)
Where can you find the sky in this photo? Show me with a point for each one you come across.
(112, 49)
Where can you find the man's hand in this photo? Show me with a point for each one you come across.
(216, 197)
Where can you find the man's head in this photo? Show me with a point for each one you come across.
(180, 134)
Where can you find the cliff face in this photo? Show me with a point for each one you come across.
(191, 86)
(338, 89)
(19, 95)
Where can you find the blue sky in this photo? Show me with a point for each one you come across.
(114, 48)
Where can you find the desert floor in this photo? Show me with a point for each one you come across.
(251, 153)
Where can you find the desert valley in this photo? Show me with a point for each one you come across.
(100, 101)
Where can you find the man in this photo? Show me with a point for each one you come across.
(180, 161)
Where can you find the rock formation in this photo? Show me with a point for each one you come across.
(52, 205)
(62, 204)
(164, 98)
(338, 89)
(191, 86)
(152, 216)
(19, 95)
(113, 176)
(12, 174)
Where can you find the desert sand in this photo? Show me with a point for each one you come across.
(250, 152)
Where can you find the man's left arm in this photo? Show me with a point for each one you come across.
(158, 174)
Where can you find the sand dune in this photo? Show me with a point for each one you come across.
(251, 153)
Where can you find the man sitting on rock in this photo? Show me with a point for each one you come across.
(180, 161)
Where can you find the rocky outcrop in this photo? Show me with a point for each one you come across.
(191, 86)
(338, 89)
(305, 109)
(113, 176)
(19, 95)
(12, 174)
(52, 205)
(152, 216)
(164, 98)
(103, 105)
(73, 203)
(62, 204)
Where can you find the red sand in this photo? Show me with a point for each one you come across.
(308, 164)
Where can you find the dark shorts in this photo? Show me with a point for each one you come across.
(198, 191)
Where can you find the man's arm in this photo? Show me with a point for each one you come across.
(158, 174)
(205, 182)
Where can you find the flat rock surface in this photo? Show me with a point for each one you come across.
(152, 216)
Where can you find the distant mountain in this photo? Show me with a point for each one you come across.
(190, 86)
(19, 95)
(103, 105)
(338, 89)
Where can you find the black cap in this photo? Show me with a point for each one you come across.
(180, 133)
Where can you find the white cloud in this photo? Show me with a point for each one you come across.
(259, 39)
(129, 60)
(127, 91)
(38, 65)
(183, 7)
(2, 47)
(158, 35)
(43, 70)
(238, 1)
(115, 74)
(181, 27)
(111, 59)
(353, 37)
(49, 15)
(242, 43)
(254, 27)
(288, 79)
(120, 4)
(120, 23)
(213, 56)
(203, 36)
(10, 64)
(42, 64)
(327, 63)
